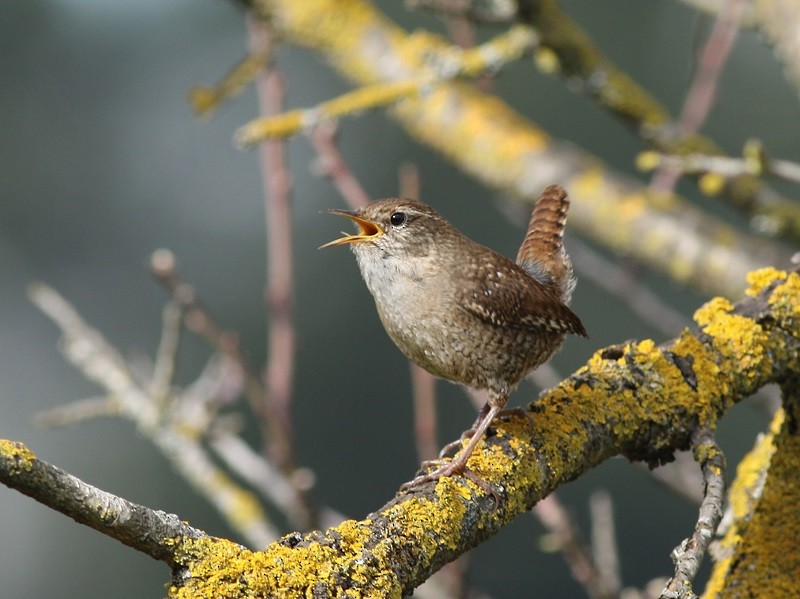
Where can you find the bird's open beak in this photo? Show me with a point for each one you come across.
(367, 229)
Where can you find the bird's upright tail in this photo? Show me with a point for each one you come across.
(542, 252)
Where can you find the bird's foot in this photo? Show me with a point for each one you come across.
(444, 468)
(458, 465)
(453, 445)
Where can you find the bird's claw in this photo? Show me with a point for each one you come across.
(449, 468)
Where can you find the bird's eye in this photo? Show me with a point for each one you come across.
(398, 218)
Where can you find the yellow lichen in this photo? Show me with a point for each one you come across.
(22, 457)
(760, 547)
(758, 279)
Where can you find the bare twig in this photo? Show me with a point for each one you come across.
(201, 322)
(442, 65)
(689, 554)
(76, 412)
(331, 164)
(174, 428)
(756, 164)
(704, 84)
(277, 185)
(206, 99)
(166, 355)
(497, 13)
(565, 538)
(604, 543)
(152, 532)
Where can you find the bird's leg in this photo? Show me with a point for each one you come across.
(518, 412)
(459, 463)
(467, 434)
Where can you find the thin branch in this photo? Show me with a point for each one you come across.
(77, 412)
(174, 428)
(332, 165)
(567, 540)
(604, 543)
(167, 353)
(201, 322)
(755, 162)
(206, 99)
(689, 554)
(279, 293)
(703, 89)
(152, 532)
(496, 14)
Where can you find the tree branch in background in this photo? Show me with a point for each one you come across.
(568, 51)
(563, 536)
(777, 20)
(279, 292)
(703, 90)
(442, 64)
(200, 321)
(175, 427)
(330, 164)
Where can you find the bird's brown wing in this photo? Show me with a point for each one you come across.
(506, 296)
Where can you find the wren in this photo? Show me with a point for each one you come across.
(460, 310)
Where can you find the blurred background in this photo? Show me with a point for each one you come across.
(102, 162)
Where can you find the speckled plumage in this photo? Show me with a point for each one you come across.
(460, 310)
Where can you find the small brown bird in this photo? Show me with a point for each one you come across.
(460, 310)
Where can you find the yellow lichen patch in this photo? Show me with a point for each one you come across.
(783, 301)
(759, 551)
(218, 568)
(708, 386)
(710, 309)
(430, 524)
(736, 337)
(17, 452)
(757, 280)
(215, 568)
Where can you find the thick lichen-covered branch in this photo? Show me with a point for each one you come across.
(759, 554)
(495, 144)
(152, 532)
(640, 400)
